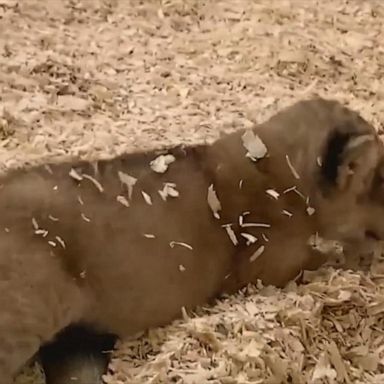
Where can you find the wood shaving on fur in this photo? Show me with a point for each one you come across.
(231, 233)
(213, 202)
(256, 149)
(147, 198)
(259, 251)
(161, 163)
(169, 189)
(129, 181)
(172, 244)
(94, 181)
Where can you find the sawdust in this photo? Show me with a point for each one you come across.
(96, 78)
(331, 327)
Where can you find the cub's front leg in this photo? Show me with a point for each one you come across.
(78, 354)
(37, 300)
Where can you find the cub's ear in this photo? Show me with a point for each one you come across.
(349, 163)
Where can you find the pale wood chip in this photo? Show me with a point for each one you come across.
(264, 236)
(172, 244)
(85, 218)
(287, 213)
(169, 189)
(80, 200)
(273, 193)
(249, 237)
(259, 251)
(231, 233)
(161, 163)
(35, 225)
(48, 168)
(255, 147)
(213, 202)
(129, 181)
(147, 198)
(256, 225)
(122, 200)
(94, 181)
(310, 211)
(60, 241)
(75, 175)
(292, 168)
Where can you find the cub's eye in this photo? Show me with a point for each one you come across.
(371, 235)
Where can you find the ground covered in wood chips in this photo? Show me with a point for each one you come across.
(97, 78)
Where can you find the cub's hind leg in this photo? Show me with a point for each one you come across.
(37, 299)
(77, 355)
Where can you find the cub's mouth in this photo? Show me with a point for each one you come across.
(366, 255)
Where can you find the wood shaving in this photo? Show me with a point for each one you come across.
(249, 237)
(231, 233)
(287, 213)
(122, 200)
(85, 218)
(75, 175)
(259, 251)
(292, 168)
(323, 370)
(129, 181)
(294, 189)
(256, 225)
(310, 211)
(213, 202)
(264, 236)
(60, 241)
(273, 193)
(256, 149)
(41, 232)
(48, 169)
(147, 198)
(35, 225)
(169, 189)
(241, 218)
(94, 181)
(172, 244)
(290, 189)
(161, 163)
(80, 200)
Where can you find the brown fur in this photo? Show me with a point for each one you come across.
(112, 278)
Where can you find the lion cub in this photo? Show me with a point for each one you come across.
(121, 245)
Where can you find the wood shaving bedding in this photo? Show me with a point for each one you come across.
(326, 330)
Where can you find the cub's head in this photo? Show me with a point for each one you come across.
(350, 196)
